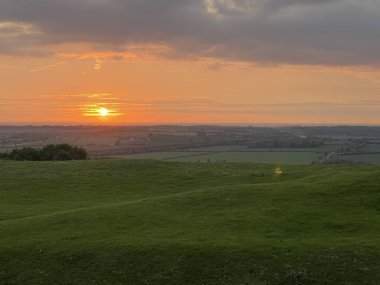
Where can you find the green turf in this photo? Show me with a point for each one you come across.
(116, 221)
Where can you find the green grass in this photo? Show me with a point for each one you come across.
(261, 156)
(239, 153)
(116, 221)
(163, 155)
(285, 157)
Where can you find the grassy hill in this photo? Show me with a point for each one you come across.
(147, 222)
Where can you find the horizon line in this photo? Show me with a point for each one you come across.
(68, 124)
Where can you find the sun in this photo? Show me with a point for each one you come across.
(103, 112)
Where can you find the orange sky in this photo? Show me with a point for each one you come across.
(196, 61)
(66, 90)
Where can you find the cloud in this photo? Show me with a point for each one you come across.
(98, 63)
(17, 38)
(48, 66)
(215, 66)
(323, 32)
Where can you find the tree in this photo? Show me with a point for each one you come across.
(26, 153)
(62, 155)
(49, 152)
(79, 153)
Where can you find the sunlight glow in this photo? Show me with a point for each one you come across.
(103, 112)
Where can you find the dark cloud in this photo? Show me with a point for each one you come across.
(333, 32)
(19, 39)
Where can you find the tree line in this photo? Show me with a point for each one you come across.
(47, 153)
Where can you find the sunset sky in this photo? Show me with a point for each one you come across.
(189, 61)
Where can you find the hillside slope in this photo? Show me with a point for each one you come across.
(149, 222)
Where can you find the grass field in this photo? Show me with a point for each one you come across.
(117, 221)
(240, 153)
(365, 158)
(261, 156)
(257, 157)
(234, 148)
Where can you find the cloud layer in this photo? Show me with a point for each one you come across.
(315, 32)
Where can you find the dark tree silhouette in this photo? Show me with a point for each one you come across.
(49, 152)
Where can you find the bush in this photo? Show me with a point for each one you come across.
(3, 155)
(49, 152)
(63, 152)
(79, 153)
(26, 153)
(62, 155)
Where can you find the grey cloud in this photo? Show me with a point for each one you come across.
(263, 6)
(326, 32)
(19, 39)
(277, 5)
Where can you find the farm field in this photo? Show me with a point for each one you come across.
(234, 154)
(232, 148)
(242, 153)
(119, 221)
(365, 158)
(257, 157)
(372, 147)
(165, 155)
(370, 158)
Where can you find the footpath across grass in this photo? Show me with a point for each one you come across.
(117, 221)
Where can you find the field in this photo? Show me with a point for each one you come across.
(241, 153)
(117, 221)
(372, 147)
(370, 158)
(202, 143)
(364, 158)
(237, 153)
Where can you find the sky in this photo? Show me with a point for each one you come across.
(189, 61)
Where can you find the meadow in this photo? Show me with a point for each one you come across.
(237, 153)
(279, 156)
(118, 221)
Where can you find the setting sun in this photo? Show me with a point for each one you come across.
(101, 109)
(103, 112)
